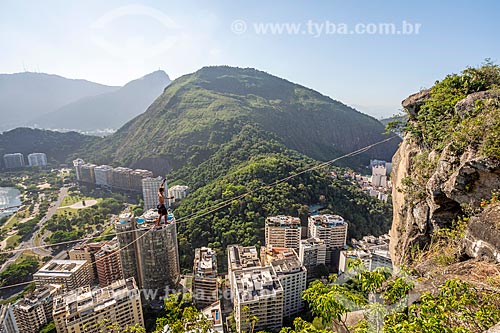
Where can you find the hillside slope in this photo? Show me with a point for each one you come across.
(200, 112)
(107, 111)
(58, 146)
(25, 96)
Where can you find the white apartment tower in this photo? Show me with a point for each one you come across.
(78, 167)
(260, 290)
(293, 278)
(312, 253)
(332, 230)
(103, 175)
(283, 231)
(37, 160)
(150, 191)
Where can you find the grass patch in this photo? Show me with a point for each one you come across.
(12, 242)
(11, 222)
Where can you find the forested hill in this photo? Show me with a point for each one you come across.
(199, 113)
(58, 146)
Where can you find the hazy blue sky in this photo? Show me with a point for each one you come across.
(113, 42)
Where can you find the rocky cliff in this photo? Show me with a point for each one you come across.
(446, 172)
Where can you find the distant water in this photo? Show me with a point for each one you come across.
(9, 196)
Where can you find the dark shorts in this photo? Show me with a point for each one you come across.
(162, 210)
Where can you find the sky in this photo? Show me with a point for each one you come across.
(342, 49)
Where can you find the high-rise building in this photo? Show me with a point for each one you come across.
(155, 250)
(125, 228)
(108, 264)
(205, 286)
(332, 229)
(78, 167)
(239, 257)
(150, 192)
(7, 320)
(312, 253)
(283, 231)
(86, 252)
(177, 193)
(71, 274)
(85, 310)
(121, 178)
(136, 177)
(87, 174)
(158, 252)
(37, 159)
(13, 161)
(35, 310)
(103, 175)
(257, 292)
(293, 278)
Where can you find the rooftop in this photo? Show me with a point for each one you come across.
(62, 268)
(311, 242)
(205, 262)
(243, 257)
(254, 283)
(84, 299)
(283, 221)
(328, 220)
(287, 266)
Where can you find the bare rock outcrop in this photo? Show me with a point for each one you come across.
(457, 183)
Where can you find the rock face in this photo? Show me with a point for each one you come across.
(455, 184)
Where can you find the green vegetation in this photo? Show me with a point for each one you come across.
(70, 224)
(58, 146)
(438, 122)
(242, 221)
(49, 328)
(19, 271)
(199, 113)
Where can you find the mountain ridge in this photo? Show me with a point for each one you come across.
(27, 95)
(200, 112)
(108, 110)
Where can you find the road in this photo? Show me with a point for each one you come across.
(30, 243)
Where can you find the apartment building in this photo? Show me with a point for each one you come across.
(37, 159)
(103, 175)
(108, 263)
(312, 253)
(13, 161)
(86, 252)
(153, 257)
(136, 177)
(205, 286)
(150, 192)
(121, 178)
(35, 310)
(85, 310)
(293, 279)
(7, 320)
(78, 167)
(332, 230)
(87, 174)
(71, 274)
(240, 257)
(259, 289)
(177, 193)
(283, 231)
